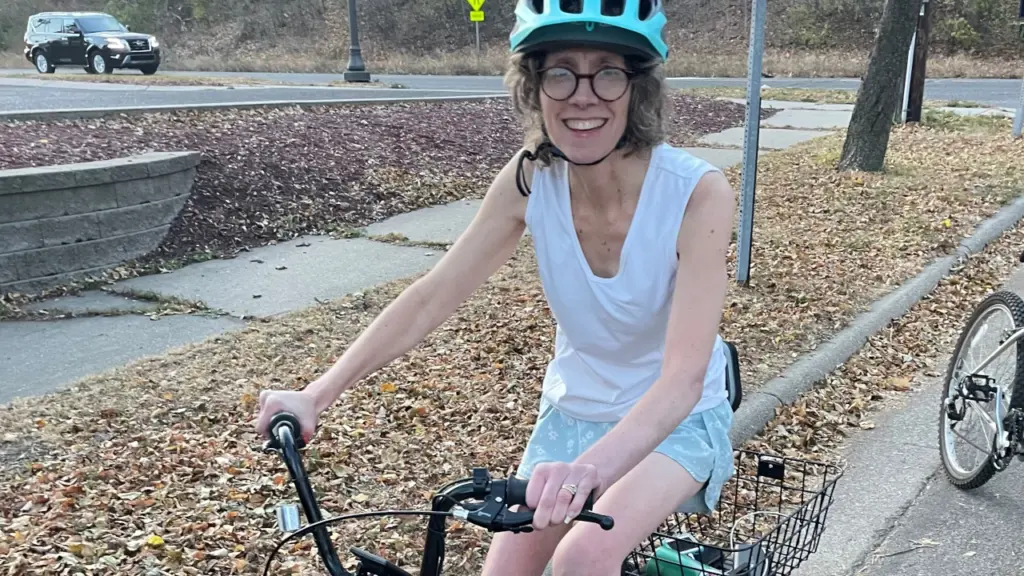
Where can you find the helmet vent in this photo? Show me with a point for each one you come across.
(646, 9)
(613, 7)
(571, 6)
(537, 5)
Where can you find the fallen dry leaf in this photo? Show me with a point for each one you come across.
(901, 384)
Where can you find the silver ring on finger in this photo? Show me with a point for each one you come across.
(571, 488)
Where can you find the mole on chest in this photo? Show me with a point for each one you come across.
(602, 248)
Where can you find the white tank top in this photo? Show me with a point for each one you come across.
(610, 332)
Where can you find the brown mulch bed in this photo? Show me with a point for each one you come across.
(269, 175)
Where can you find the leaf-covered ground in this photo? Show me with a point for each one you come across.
(275, 174)
(150, 468)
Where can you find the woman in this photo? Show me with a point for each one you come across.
(631, 237)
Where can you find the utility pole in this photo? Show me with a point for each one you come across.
(917, 76)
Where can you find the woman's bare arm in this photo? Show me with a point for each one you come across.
(486, 244)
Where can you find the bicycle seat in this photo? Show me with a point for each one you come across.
(732, 376)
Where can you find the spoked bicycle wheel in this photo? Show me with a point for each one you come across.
(967, 438)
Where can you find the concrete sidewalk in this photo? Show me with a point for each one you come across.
(896, 514)
(42, 356)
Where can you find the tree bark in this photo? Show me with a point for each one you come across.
(867, 136)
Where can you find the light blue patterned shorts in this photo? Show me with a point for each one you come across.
(700, 444)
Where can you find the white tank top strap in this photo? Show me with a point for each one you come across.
(610, 332)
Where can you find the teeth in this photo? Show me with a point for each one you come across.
(585, 124)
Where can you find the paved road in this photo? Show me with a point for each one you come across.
(36, 95)
(996, 92)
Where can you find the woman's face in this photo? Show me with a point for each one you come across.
(585, 124)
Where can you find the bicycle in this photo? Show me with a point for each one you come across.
(970, 389)
(685, 545)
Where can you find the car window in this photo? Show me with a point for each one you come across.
(92, 24)
(69, 26)
(47, 26)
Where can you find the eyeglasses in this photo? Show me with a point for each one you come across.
(609, 84)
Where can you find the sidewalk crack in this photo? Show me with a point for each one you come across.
(871, 554)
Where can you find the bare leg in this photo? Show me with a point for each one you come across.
(639, 503)
(524, 554)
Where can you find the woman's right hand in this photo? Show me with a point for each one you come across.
(301, 403)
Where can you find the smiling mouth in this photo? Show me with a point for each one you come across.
(585, 125)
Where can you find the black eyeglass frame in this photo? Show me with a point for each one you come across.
(630, 75)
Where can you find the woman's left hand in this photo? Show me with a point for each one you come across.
(557, 490)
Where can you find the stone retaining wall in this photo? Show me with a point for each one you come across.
(66, 222)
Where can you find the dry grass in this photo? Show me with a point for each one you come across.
(14, 60)
(492, 61)
(150, 466)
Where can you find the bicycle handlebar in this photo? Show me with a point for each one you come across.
(286, 436)
(492, 513)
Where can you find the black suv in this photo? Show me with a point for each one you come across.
(94, 40)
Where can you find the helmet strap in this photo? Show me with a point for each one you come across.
(524, 187)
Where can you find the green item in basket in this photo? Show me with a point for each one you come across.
(679, 557)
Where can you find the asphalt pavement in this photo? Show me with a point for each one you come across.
(994, 92)
(38, 95)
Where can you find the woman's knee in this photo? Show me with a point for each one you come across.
(524, 554)
(589, 550)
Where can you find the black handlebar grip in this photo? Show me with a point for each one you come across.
(515, 491)
(289, 419)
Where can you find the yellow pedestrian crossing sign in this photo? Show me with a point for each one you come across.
(476, 16)
(475, 4)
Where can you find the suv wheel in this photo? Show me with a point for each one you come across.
(43, 63)
(148, 70)
(98, 63)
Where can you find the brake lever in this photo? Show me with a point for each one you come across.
(522, 521)
(495, 516)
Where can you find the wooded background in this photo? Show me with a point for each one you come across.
(984, 27)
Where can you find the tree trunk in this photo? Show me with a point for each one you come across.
(867, 137)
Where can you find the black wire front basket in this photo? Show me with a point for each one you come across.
(769, 519)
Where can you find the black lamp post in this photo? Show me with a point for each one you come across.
(356, 70)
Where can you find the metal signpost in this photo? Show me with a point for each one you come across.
(476, 16)
(906, 79)
(750, 136)
(1018, 118)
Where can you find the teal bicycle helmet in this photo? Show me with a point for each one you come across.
(625, 26)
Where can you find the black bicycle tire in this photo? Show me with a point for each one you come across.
(1015, 304)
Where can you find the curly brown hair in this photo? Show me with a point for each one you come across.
(645, 127)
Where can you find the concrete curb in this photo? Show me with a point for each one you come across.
(758, 408)
(83, 113)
